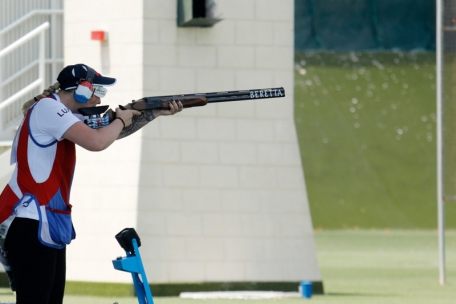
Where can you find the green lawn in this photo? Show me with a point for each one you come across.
(399, 266)
(367, 134)
(364, 266)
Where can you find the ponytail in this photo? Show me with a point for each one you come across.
(52, 89)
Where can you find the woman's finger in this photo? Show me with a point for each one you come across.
(174, 108)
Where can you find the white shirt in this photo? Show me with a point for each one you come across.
(49, 120)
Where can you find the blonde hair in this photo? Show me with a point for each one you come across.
(52, 89)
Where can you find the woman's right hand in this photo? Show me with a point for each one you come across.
(126, 115)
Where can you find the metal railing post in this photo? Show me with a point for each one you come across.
(439, 123)
(1, 84)
(1, 76)
(53, 54)
(42, 61)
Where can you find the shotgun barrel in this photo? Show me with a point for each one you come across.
(227, 96)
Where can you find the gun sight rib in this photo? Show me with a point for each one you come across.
(231, 95)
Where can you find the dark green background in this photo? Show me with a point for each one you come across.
(356, 25)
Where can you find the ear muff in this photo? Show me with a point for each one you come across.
(84, 90)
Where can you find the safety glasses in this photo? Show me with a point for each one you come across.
(99, 91)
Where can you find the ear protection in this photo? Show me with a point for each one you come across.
(84, 90)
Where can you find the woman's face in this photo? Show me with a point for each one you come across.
(93, 102)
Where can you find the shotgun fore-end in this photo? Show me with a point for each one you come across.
(187, 102)
(151, 103)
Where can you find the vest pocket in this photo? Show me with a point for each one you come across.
(60, 224)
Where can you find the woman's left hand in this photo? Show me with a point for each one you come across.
(174, 107)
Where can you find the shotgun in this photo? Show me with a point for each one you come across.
(202, 99)
(147, 104)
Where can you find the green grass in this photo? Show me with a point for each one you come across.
(364, 266)
(382, 266)
(366, 129)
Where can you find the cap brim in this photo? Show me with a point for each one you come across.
(104, 81)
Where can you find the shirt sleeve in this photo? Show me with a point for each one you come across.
(51, 118)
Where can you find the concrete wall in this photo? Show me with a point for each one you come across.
(105, 190)
(216, 193)
(6, 169)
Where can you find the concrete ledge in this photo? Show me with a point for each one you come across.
(4, 282)
(239, 295)
(5, 145)
(174, 289)
(6, 169)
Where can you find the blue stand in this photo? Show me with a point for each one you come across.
(132, 263)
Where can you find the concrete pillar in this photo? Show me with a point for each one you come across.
(216, 193)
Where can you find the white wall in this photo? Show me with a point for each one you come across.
(216, 193)
(105, 187)
(6, 170)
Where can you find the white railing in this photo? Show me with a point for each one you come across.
(9, 110)
(53, 35)
(35, 60)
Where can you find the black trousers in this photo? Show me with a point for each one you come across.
(38, 270)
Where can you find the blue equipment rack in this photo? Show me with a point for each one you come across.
(132, 263)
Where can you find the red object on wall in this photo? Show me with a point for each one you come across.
(99, 35)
